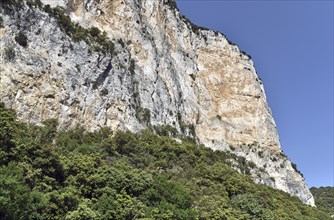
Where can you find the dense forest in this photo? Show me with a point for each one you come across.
(324, 198)
(50, 174)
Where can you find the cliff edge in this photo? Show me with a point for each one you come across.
(157, 69)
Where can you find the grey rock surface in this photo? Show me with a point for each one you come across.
(165, 71)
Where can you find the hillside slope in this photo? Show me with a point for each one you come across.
(45, 174)
(324, 198)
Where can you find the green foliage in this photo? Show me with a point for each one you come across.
(6, 5)
(132, 67)
(1, 22)
(121, 206)
(195, 28)
(143, 115)
(324, 198)
(165, 196)
(49, 130)
(294, 166)
(260, 153)
(83, 212)
(17, 201)
(244, 53)
(63, 20)
(97, 40)
(50, 174)
(251, 206)
(272, 179)
(121, 42)
(104, 92)
(165, 130)
(35, 4)
(171, 4)
(94, 32)
(10, 6)
(184, 127)
(7, 127)
(9, 54)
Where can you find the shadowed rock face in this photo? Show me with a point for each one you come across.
(164, 71)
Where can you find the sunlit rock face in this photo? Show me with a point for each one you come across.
(164, 71)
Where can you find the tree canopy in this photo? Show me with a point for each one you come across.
(50, 174)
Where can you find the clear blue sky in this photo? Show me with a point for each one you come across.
(291, 43)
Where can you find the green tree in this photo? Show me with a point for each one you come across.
(324, 198)
(7, 128)
(120, 206)
(249, 204)
(169, 197)
(83, 212)
(17, 201)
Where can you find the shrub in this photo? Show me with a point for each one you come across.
(104, 92)
(94, 31)
(171, 4)
(192, 130)
(34, 3)
(232, 148)
(79, 34)
(121, 42)
(260, 153)
(21, 39)
(294, 166)
(1, 23)
(165, 130)
(143, 115)
(9, 54)
(132, 67)
(180, 121)
(7, 5)
(98, 41)
(274, 159)
(10, 2)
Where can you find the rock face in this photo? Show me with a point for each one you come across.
(164, 71)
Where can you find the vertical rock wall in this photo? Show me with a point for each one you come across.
(165, 70)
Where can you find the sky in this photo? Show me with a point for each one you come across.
(291, 43)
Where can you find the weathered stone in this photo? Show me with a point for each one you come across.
(164, 71)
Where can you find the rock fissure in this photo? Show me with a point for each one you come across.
(171, 73)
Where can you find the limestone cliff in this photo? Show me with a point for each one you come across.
(162, 70)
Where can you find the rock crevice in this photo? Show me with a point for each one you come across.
(164, 71)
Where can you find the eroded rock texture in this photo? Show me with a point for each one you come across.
(164, 71)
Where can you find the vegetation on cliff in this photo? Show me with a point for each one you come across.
(96, 39)
(324, 198)
(50, 174)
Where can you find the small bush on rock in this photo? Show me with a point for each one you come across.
(9, 54)
(21, 39)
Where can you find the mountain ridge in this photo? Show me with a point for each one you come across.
(160, 72)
